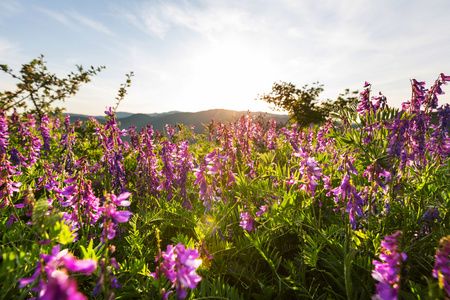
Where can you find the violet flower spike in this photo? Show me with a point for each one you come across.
(248, 223)
(441, 269)
(179, 265)
(387, 271)
(58, 284)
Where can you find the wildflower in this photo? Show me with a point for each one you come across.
(441, 269)
(57, 284)
(374, 172)
(428, 219)
(311, 173)
(45, 132)
(388, 271)
(11, 220)
(365, 105)
(263, 210)
(110, 276)
(16, 157)
(114, 216)
(109, 111)
(4, 135)
(248, 223)
(346, 191)
(179, 267)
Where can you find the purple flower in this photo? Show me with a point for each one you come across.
(365, 105)
(441, 269)
(120, 216)
(387, 271)
(311, 173)
(121, 200)
(66, 259)
(248, 223)
(263, 210)
(26, 281)
(4, 135)
(11, 220)
(179, 266)
(58, 284)
(110, 276)
(430, 216)
(346, 191)
(374, 172)
(45, 132)
(114, 216)
(109, 111)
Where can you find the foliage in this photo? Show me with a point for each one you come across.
(42, 88)
(270, 213)
(303, 104)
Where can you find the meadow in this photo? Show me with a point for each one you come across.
(355, 208)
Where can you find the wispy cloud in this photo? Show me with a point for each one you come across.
(91, 23)
(10, 52)
(186, 53)
(58, 16)
(73, 19)
(7, 7)
(158, 19)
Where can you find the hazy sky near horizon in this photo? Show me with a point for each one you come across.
(199, 55)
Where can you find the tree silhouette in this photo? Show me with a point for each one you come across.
(301, 104)
(42, 88)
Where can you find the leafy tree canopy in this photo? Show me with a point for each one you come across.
(40, 88)
(303, 104)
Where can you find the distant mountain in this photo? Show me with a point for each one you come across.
(197, 119)
(120, 114)
(163, 114)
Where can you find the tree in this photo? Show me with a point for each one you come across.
(301, 104)
(342, 102)
(42, 88)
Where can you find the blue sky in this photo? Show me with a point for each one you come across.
(198, 55)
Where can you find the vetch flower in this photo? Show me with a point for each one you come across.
(179, 266)
(346, 191)
(54, 281)
(263, 210)
(114, 216)
(441, 269)
(4, 134)
(248, 223)
(387, 271)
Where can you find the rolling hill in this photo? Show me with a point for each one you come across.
(197, 119)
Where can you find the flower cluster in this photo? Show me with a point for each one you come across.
(441, 269)
(114, 216)
(248, 223)
(388, 271)
(346, 191)
(54, 282)
(179, 266)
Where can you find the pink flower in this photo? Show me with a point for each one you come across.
(387, 272)
(179, 266)
(58, 284)
(441, 269)
(248, 223)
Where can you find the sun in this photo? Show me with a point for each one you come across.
(230, 72)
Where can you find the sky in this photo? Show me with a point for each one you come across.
(200, 55)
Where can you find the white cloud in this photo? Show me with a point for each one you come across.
(159, 19)
(11, 53)
(10, 8)
(73, 19)
(58, 16)
(93, 24)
